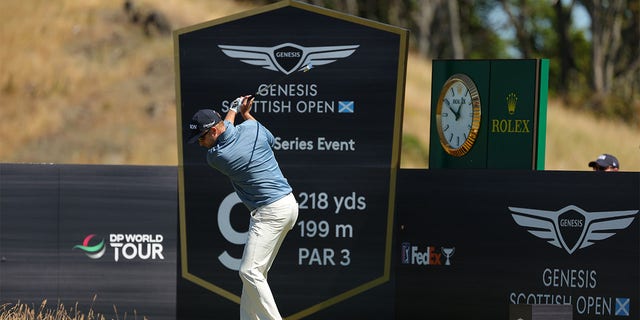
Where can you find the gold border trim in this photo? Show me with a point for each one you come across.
(395, 160)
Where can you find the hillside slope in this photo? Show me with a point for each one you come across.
(80, 83)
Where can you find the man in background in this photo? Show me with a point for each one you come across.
(605, 162)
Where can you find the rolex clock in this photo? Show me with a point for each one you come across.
(458, 114)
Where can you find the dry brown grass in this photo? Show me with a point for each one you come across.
(22, 311)
(78, 84)
(574, 138)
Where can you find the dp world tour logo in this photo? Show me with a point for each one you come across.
(572, 228)
(287, 57)
(95, 251)
(127, 246)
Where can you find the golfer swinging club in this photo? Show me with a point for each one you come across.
(243, 153)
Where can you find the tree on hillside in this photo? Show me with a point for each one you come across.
(457, 30)
(423, 13)
(606, 31)
(531, 22)
(596, 67)
(520, 14)
(562, 27)
(537, 30)
(436, 26)
(615, 56)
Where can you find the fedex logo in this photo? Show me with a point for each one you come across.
(430, 255)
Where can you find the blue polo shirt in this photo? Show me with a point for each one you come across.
(244, 154)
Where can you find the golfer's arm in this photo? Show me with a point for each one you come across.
(247, 116)
(231, 116)
(245, 108)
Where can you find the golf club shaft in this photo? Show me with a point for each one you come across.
(306, 68)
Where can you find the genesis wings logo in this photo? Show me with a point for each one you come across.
(92, 251)
(572, 228)
(287, 57)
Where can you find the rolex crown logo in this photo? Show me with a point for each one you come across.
(512, 98)
(459, 88)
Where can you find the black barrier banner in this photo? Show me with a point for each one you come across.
(337, 129)
(471, 243)
(95, 238)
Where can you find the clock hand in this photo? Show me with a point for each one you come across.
(457, 113)
(454, 112)
(459, 110)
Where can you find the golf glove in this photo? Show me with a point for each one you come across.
(236, 104)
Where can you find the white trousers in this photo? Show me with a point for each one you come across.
(268, 227)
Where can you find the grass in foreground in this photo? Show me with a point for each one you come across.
(21, 311)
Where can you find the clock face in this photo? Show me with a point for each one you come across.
(458, 115)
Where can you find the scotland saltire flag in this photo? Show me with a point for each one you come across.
(622, 306)
(345, 106)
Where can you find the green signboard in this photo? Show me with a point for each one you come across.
(488, 114)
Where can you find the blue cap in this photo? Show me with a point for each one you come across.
(202, 121)
(604, 161)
